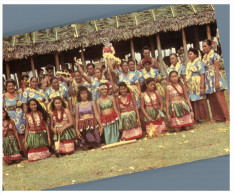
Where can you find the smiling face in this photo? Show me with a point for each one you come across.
(192, 56)
(131, 66)
(104, 91)
(125, 67)
(24, 82)
(147, 66)
(33, 106)
(205, 47)
(174, 77)
(173, 60)
(58, 104)
(78, 77)
(10, 87)
(84, 96)
(146, 53)
(90, 70)
(123, 90)
(34, 83)
(105, 42)
(55, 84)
(98, 74)
(150, 86)
(50, 73)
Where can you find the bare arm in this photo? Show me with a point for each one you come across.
(202, 84)
(47, 131)
(113, 50)
(187, 100)
(136, 109)
(16, 134)
(26, 134)
(77, 122)
(216, 64)
(52, 125)
(160, 100)
(114, 106)
(81, 71)
(143, 108)
(70, 124)
(98, 107)
(167, 101)
(97, 116)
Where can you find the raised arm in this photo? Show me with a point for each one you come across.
(81, 71)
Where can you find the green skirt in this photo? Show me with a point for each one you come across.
(10, 146)
(67, 134)
(178, 108)
(128, 120)
(37, 140)
(153, 114)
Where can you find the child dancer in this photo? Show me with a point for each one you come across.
(11, 145)
(130, 124)
(109, 115)
(37, 136)
(179, 109)
(62, 127)
(152, 106)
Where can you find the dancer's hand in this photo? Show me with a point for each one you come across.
(168, 117)
(100, 130)
(217, 86)
(158, 117)
(49, 142)
(79, 135)
(149, 119)
(192, 115)
(138, 122)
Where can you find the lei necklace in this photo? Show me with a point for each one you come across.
(181, 94)
(206, 58)
(56, 115)
(127, 102)
(60, 91)
(151, 101)
(35, 91)
(146, 73)
(191, 68)
(33, 119)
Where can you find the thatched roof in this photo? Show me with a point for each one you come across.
(118, 28)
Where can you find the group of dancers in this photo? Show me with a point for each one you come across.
(106, 105)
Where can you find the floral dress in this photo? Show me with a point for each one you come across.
(178, 67)
(193, 74)
(95, 83)
(39, 95)
(14, 107)
(208, 60)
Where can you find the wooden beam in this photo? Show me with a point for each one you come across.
(33, 66)
(152, 46)
(82, 57)
(118, 144)
(161, 65)
(132, 49)
(57, 61)
(196, 37)
(8, 73)
(185, 46)
(208, 32)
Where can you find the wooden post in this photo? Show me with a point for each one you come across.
(32, 66)
(132, 49)
(8, 73)
(161, 65)
(152, 46)
(196, 38)
(208, 32)
(57, 61)
(82, 57)
(185, 46)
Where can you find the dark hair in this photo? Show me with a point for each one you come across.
(208, 41)
(7, 115)
(77, 71)
(23, 76)
(45, 115)
(131, 60)
(103, 66)
(123, 84)
(33, 78)
(123, 61)
(40, 69)
(195, 51)
(52, 78)
(98, 69)
(49, 67)
(173, 71)
(146, 82)
(104, 84)
(90, 64)
(52, 107)
(173, 54)
(145, 48)
(10, 81)
(83, 88)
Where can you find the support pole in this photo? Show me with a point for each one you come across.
(8, 74)
(152, 46)
(185, 46)
(83, 57)
(208, 32)
(196, 38)
(62, 61)
(32, 66)
(132, 49)
(57, 61)
(161, 64)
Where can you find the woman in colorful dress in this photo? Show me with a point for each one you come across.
(152, 106)
(88, 124)
(129, 123)
(56, 90)
(107, 109)
(175, 65)
(37, 136)
(108, 47)
(178, 106)
(74, 85)
(195, 79)
(62, 126)
(33, 92)
(11, 145)
(214, 84)
(12, 103)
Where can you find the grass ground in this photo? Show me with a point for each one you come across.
(204, 141)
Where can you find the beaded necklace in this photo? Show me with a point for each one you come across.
(55, 113)
(151, 101)
(181, 94)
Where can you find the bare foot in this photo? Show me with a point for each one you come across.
(227, 122)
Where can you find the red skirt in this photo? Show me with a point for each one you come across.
(183, 121)
(11, 158)
(109, 118)
(66, 146)
(159, 126)
(35, 154)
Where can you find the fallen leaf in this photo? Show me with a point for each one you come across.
(222, 130)
(167, 134)
(132, 168)
(7, 174)
(184, 142)
(120, 170)
(174, 133)
(192, 131)
(73, 181)
(145, 138)
(92, 150)
(162, 146)
(183, 135)
(141, 149)
(227, 150)
(19, 165)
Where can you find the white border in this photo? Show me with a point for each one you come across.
(230, 2)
